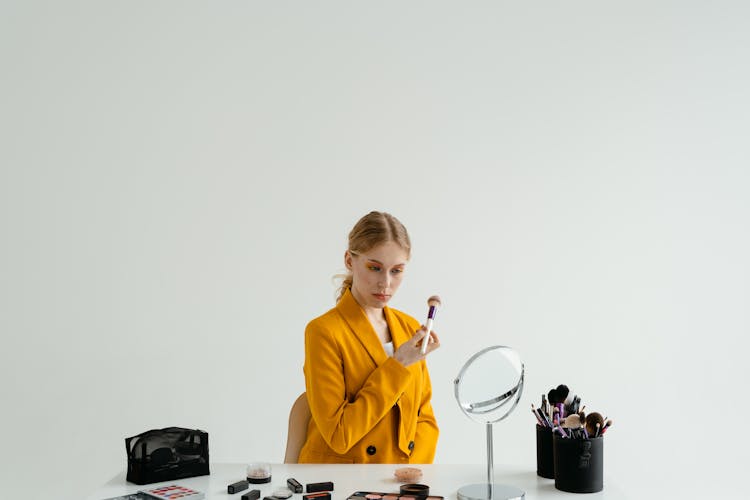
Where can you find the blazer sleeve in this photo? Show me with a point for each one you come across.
(342, 422)
(427, 429)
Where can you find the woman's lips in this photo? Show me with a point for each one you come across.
(381, 296)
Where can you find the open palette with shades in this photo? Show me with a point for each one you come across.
(171, 492)
(375, 495)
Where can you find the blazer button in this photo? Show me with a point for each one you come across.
(371, 450)
(411, 445)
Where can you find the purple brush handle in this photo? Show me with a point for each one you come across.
(431, 312)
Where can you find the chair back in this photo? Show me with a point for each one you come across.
(299, 418)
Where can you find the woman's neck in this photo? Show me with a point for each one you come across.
(376, 316)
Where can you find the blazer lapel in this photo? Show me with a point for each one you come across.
(398, 334)
(357, 320)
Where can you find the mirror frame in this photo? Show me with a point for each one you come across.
(502, 399)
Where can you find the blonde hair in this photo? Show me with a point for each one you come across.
(370, 231)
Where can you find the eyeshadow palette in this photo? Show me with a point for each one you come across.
(132, 496)
(375, 495)
(171, 492)
(174, 492)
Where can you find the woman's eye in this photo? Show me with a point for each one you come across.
(397, 271)
(374, 268)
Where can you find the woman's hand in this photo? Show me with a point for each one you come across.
(411, 351)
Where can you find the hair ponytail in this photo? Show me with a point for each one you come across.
(346, 284)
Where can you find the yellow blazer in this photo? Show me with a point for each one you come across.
(366, 406)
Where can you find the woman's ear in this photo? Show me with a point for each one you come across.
(348, 260)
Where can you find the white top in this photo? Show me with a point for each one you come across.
(388, 346)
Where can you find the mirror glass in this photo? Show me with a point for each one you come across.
(489, 385)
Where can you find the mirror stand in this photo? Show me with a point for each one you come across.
(490, 380)
(490, 490)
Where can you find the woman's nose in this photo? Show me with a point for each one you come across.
(385, 281)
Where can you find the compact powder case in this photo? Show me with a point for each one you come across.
(414, 489)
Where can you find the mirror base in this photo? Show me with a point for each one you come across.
(482, 491)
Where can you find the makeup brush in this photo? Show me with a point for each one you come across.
(572, 422)
(561, 431)
(552, 397)
(607, 425)
(594, 421)
(538, 418)
(545, 418)
(433, 302)
(575, 403)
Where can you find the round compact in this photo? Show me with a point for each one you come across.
(408, 474)
(259, 473)
(282, 493)
(415, 490)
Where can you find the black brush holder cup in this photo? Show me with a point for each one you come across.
(545, 464)
(579, 464)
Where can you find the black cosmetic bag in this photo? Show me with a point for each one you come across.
(167, 454)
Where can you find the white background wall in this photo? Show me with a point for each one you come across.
(177, 180)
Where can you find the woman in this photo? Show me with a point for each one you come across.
(366, 378)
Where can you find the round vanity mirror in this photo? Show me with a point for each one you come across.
(487, 389)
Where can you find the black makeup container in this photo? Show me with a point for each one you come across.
(415, 490)
(579, 464)
(545, 464)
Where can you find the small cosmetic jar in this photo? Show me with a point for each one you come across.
(258, 473)
(415, 490)
(408, 474)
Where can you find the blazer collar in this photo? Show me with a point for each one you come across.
(357, 320)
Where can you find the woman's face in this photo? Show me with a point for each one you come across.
(377, 273)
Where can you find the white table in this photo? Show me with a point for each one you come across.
(443, 479)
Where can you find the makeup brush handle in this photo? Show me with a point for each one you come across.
(539, 420)
(426, 339)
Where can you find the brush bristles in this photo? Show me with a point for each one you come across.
(434, 301)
